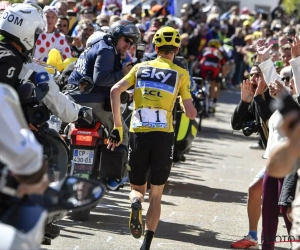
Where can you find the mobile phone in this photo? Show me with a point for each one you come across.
(69, 39)
(278, 64)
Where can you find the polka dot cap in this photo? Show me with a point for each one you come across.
(48, 41)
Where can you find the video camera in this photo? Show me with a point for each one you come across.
(139, 54)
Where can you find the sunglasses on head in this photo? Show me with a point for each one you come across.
(127, 40)
(286, 79)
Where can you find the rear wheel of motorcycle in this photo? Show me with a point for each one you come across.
(81, 215)
(59, 157)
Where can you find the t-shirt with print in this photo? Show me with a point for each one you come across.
(156, 86)
(48, 41)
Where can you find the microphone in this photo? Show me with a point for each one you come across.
(42, 77)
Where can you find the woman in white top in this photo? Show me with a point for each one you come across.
(52, 38)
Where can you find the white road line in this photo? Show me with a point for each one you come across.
(109, 239)
(215, 218)
(215, 196)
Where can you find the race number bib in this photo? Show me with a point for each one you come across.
(150, 118)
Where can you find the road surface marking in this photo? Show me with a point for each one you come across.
(215, 196)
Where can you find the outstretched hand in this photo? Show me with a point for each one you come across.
(276, 89)
(262, 50)
(295, 47)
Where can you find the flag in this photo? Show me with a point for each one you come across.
(172, 7)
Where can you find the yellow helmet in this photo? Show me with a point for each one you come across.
(166, 36)
(214, 43)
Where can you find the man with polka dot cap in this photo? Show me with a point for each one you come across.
(52, 38)
(20, 26)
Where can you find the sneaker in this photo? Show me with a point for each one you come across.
(246, 243)
(136, 221)
(256, 146)
(211, 110)
(114, 184)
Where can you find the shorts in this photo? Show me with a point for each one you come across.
(152, 150)
(207, 66)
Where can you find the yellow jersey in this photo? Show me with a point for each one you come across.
(156, 87)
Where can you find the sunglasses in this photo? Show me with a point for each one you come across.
(255, 74)
(60, 25)
(127, 40)
(286, 79)
(289, 33)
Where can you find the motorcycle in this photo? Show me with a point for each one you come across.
(23, 223)
(88, 140)
(38, 117)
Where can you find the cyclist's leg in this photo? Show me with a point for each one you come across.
(139, 161)
(161, 162)
(214, 90)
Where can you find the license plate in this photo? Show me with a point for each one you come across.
(83, 156)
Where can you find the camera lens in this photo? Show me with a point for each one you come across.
(247, 131)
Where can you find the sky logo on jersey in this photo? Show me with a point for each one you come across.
(156, 78)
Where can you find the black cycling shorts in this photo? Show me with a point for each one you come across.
(151, 149)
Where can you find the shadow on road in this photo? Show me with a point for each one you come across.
(223, 134)
(116, 221)
(204, 193)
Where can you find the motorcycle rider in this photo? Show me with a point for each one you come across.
(102, 63)
(23, 156)
(20, 26)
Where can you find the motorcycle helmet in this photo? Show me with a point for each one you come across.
(124, 28)
(167, 36)
(23, 23)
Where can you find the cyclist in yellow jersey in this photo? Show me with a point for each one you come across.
(157, 84)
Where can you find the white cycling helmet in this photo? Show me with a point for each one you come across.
(22, 23)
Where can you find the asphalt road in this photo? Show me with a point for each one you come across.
(204, 201)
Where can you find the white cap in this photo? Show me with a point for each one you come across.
(30, 1)
(104, 28)
(141, 26)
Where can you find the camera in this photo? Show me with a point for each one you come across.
(249, 128)
(139, 53)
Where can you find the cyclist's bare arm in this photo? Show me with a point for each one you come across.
(189, 109)
(115, 94)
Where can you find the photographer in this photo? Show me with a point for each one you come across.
(254, 104)
(254, 109)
